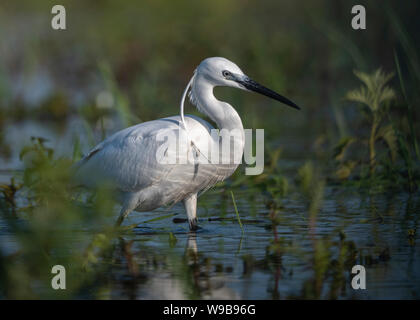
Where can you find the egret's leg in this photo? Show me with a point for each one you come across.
(129, 204)
(190, 205)
(123, 213)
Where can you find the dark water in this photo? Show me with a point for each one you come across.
(298, 258)
(219, 261)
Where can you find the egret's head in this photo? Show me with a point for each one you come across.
(219, 72)
(222, 72)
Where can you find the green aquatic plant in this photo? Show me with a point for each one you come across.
(376, 95)
(272, 183)
(387, 133)
(236, 211)
(312, 185)
(9, 192)
(392, 162)
(43, 225)
(407, 142)
(330, 260)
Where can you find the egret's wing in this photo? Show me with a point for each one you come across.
(127, 159)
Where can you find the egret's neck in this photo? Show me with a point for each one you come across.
(226, 118)
(220, 112)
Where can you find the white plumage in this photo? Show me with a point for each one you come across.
(130, 159)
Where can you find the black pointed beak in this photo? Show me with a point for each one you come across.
(251, 85)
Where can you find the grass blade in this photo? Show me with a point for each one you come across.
(236, 210)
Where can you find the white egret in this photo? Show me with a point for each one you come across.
(127, 159)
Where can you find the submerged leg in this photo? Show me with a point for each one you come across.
(129, 204)
(190, 205)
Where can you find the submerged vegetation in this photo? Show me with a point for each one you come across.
(339, 187)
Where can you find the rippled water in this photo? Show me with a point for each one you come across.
(161, 259)
(221, 262)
